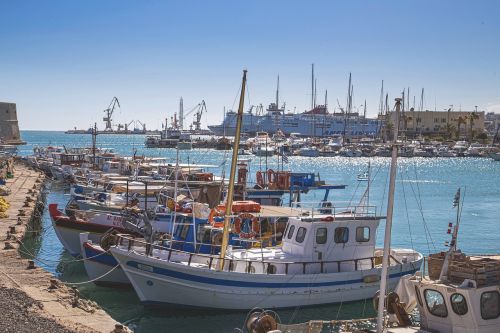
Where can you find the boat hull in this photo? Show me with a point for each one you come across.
(162, 282)
(101, 265)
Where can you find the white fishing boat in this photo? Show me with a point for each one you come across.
(96, 223)
(263, 150)
(325, 258)
(461, 293)
(308, 152)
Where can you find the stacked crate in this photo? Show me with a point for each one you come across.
(484, 271)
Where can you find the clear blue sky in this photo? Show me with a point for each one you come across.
(63, 61)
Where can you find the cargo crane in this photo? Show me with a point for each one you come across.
(109, 113)
(199, 108)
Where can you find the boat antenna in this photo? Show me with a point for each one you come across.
(234, 162)
(454, 235)
(388, 224)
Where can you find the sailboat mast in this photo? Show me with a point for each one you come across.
(234, 162)
(312, 86)
(388, 225)
(278, 93)
(181, 114)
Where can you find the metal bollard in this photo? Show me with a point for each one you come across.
(31, 264)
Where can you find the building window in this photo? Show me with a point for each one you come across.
(436, 120)
(301, 234)
(362, 234)
(458, 304)
(321, 235)
(490, 305)
(435, 303)
(341, 235)
(290, 232)
(443, 120)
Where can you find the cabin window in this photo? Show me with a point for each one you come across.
(490, 305)
(290, 232)
(286, 229)
(301, 234)
(458, 304)
(341, 235)
(362, 234)
(435, 303)
(419, 298)
(321, 235)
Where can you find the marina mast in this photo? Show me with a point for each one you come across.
(312, 86)
(181, 114)
(234, 162)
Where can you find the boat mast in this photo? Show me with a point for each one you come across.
(234, 162)
(278, 93)
(181, 114)
(388, 225)
(312, 86)
(94, 142)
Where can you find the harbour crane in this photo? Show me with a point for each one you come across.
(199, 108)
(109, 113)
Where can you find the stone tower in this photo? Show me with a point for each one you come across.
(9, 127)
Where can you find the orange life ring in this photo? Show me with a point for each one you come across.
(328, 218)
(216, 212)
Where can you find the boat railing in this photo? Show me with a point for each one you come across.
(248, 265)
(335, 209)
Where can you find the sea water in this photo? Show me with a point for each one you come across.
(425, 189)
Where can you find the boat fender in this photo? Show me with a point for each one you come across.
(328, 218)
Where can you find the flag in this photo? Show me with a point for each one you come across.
(284, 157)
(456, 200)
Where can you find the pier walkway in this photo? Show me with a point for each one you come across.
(32, 299)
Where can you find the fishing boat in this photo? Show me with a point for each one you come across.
(495, 156)
(308, 152)
(324, 258)
(363, 177)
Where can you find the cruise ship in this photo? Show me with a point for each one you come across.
(317, 122)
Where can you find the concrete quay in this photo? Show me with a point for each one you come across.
(32, 298)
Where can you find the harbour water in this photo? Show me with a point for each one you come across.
(423, 208)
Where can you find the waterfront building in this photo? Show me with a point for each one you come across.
(444, 123)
